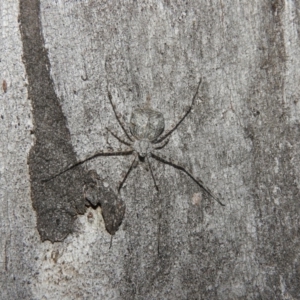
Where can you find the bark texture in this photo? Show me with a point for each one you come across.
(58, 59)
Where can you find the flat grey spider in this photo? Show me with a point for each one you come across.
(144, 138)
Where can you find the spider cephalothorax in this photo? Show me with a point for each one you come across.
(144, 137)
(143, 148)
(146, 125)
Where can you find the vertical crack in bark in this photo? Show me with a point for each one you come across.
(57, 202)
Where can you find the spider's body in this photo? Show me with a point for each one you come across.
(146, 124)
(143, 148)
(144, 137)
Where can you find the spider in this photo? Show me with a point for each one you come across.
(144, 137)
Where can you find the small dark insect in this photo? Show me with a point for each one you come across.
(4, 86)
(143, 139)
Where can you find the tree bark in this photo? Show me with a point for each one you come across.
(60, 62)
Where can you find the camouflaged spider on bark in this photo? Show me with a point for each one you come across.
(144, 138)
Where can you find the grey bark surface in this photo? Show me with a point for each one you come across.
(241, 139)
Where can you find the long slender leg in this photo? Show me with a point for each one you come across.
(100, 153)
(126, 175)
(117, 116)
(110, 244)
(118, 138)
(148, 161)
(159, 227)
(162, 144)
(181, 120)
(198, 181)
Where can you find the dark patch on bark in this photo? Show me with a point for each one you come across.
(57, 201)
(112, 206)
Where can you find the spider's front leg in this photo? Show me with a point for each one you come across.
(198, 181)
(135, 160)
(151, 171)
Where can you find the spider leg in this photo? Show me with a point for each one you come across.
(122, 124)
(162, 144)
(111, 239)
(118, 138)
(148, 161)
(198, 181)
(184, 116)
(100, 153)
(126, 175)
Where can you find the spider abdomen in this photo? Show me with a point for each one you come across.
(146, 124)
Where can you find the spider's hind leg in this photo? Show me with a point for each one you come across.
(118, 117)
(189, 109)
(162, 144)
(118, 138)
